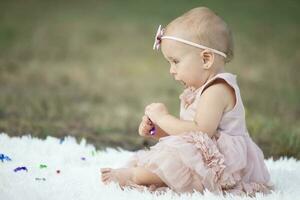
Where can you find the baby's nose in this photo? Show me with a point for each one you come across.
(173, 70)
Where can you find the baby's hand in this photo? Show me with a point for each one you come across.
(155, 110)
(145, 126)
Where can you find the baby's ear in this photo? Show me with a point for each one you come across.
(208, 58)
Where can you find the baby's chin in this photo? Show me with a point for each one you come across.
(184, 84)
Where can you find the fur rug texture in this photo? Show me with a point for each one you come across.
(63, 169)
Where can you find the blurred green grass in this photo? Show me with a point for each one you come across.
(87, 69)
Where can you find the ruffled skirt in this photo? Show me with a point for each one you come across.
(195, 162)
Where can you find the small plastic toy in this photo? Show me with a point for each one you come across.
(4, 157)
(20, 169)
(40, 179)
(43, 166)
(152, 131)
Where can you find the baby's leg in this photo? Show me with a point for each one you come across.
(137, 175)
(143, 176)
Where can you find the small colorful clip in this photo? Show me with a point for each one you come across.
(43, 166)
(152, 131)
(40, 179)
(21, 168)
(4, 157)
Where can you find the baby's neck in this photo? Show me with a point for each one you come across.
(216, 70)
(209, 76)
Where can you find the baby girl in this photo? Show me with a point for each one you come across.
(208, 147)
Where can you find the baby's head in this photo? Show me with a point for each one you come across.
(196, 44)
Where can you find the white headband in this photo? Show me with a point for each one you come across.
(159, 36)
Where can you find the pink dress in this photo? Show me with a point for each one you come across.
(229, 162)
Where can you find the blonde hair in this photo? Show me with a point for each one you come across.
(206, 28)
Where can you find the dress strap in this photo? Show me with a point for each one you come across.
(228, 77)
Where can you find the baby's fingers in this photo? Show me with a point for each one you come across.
(146, 120)
(146, 129)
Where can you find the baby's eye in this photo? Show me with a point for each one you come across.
(175, 61)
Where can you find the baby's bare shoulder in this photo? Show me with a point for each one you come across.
(221, 90)
(213, 103)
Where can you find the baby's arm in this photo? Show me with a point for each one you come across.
(213, 102)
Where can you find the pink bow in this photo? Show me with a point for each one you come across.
(157, 39)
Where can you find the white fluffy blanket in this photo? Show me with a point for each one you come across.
(67, 170)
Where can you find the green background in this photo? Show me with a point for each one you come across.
(87, 68)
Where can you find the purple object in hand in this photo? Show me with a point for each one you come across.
(152, 131)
